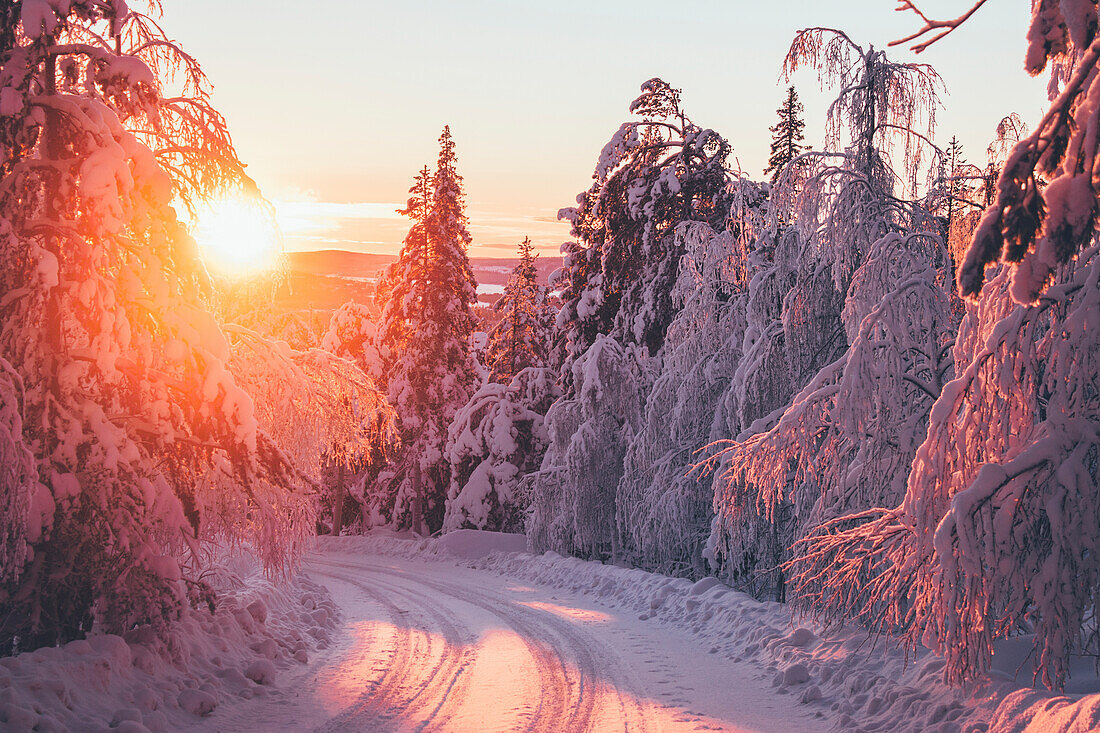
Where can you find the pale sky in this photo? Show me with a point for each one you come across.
(336, 104)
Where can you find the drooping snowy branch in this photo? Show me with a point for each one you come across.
(994, 535)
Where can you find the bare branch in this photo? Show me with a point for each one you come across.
(939, 27)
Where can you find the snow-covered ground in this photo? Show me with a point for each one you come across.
(433, 645)
(150, 681)
(467, 632)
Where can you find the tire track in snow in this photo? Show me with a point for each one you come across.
(579, 686)
(423, 674)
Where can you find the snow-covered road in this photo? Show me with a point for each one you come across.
(426, 645)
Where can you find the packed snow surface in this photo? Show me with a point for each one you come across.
(430, 643)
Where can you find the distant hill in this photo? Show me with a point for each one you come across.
(325, 279)
(323, 275)
(339, 263)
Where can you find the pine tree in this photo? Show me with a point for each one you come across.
(652, 175)
(953, 164)
(786, 135)
(396, 283)
(521, 338)
(426, 324)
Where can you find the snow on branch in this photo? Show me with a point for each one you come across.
(995, 536)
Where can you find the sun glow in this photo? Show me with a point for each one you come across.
(237, 237)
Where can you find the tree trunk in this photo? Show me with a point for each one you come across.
(418, 504)
(338, 504)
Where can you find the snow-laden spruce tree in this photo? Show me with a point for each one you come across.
(127, 440)
(395, 293)
(495, 440)
(522, 336)
(787, 135)
(619, 274)
(863, 320)
(499, 436)
(996, 534)
(426, 323)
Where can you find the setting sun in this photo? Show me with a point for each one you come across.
(237, 237)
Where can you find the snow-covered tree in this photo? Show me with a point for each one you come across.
(394, 295)
(426, 324)
(664, 511)
(952, 166)
(882, 106)
(129, 438)
(957, 198)
(573, 493)
(653, 174)
(617, 287)
(321, 409)
(353, 334)
(496, 439)
(1045, 207)
(19, 484)
(787, 135)
(846, 442)
(825, 329)
(523, 335)
(996, 533)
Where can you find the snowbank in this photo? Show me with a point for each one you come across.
(150, 682)
(858, 683)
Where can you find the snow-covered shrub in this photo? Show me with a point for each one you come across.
(496, 439)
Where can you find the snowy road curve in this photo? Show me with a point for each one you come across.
(430, 646)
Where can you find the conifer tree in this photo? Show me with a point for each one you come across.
(521, 338)
(426, 324)
(954, 163)
(653, 174)
(787, 135)
(392, 296)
